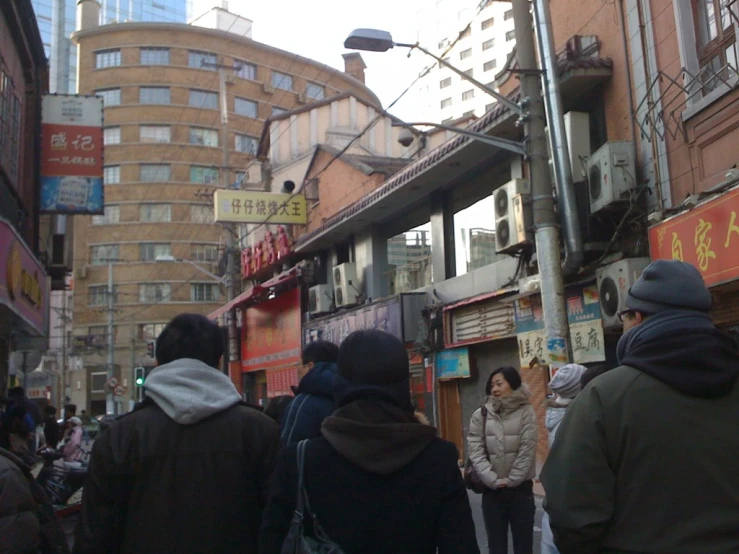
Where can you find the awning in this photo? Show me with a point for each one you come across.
(481, 298)
(257, 291)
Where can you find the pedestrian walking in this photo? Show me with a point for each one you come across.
(52, 430)
(73, 441)
(314, 400)
(188, 471)
(377, 479)
(502, 446)
(645, 460)
(565, 385)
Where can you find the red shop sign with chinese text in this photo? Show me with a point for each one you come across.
(271, 333)
(707, 237)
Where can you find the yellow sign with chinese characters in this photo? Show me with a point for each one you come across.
(242, 206)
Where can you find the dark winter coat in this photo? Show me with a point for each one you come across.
(375, 489)
(646, 456)
(187, 472)
(314, 403)
(52, 432)
(20, 530)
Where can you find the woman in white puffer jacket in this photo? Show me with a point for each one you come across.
(502, 442)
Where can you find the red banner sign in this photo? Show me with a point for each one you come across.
(271, 335)
(707, 237)
(265, 254)
(280, 381)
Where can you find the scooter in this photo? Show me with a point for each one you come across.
(62, 481)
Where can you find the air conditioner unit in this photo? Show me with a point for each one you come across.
(82, 272)
(345, 285)
(614, 281)
(269, 89)
(320, 299)
(611, 174)
(511, 220)
(577, 131)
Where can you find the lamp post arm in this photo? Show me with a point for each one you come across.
(507, 102)
(505, 144)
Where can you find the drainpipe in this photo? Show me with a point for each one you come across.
(574, 253)
(627, 64)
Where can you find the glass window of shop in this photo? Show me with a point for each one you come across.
(409, 260)
(474, 236)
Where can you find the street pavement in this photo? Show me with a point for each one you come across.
(482, 540)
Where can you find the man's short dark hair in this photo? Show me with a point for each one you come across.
(320, 351)
(190, 336)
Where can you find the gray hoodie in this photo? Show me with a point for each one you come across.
(189, 391)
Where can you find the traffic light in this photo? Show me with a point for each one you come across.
(151, 349)
(139, 376)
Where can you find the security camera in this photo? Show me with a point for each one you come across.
(405, 137)
(288, 186)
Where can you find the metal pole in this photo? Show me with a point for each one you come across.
(110, 407)
(545, 221)
(231, 269)
(64, 347)
(25, 372)
(133, 358)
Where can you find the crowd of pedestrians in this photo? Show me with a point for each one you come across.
(642, 456)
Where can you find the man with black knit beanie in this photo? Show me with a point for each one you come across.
(645, 458)
(378, 479)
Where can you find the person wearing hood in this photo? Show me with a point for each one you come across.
(377, 478)
(645, 458)
(188, 470)
(566, 384)
(314, 400)
(502, 442)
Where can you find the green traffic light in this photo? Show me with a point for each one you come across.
(139, 381)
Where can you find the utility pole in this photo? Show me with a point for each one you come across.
(64, 347)
(110, 405)
(545, 220)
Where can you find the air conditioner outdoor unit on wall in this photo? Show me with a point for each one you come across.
(577, 130)
(614, 281)
(611, 174)
(346, 287)
(320, 299)
(511, 219)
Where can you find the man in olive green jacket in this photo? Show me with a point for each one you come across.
(645, 460)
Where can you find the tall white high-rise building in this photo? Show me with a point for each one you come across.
(481, 52)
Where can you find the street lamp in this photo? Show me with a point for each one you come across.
(171, 259)
(516, 147)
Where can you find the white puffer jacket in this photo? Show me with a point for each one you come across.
(510, 436)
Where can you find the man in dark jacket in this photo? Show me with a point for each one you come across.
(188, 471)
(645, 458)
(378, 479)
(315, 397)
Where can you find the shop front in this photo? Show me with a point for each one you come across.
(707, 237)
(24, 302)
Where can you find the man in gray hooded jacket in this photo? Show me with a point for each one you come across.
(188, 470)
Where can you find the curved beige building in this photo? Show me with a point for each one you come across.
(163, 160)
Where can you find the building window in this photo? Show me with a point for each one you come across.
(107, 58)
(715, 41)
(154, 173)
(104, 253)
(154, 56)
(202, 60)
(510, 35)
(282, 81)
(247, 108)
(508, 15)
(277, 111)
(466, 33)
(469, 113)
(154, 95)
(464, 54)
(247, 144)
(10, 126)
(204, 292)
(97, 295)
(112, 175)
(446, 103)
(488, 44)
(203, 137)
(492, 64)
(445, 82)
(204, 252)
(470, 72)
(155, 213)
(409, 256)
(111, 135)
(154, 292)
(245, 70)
(99, 336)
(201, 213)
(154, 133)
(111, 97)
(487, 23)
(150, 331)
(203, 175)
(203, 99)
(315, 92)
(468, 94)
(112, 215)
(99, 378)
(150, 251)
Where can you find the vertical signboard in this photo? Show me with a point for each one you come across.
(72, 154)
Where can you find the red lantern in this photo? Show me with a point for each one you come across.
(270, 254)
(246, 261)
(258, 258)
(283, 243)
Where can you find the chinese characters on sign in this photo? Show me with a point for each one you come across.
(707, 237)
(266, 253)
(72, 154)
(384, 316)
(241, 206)
(271, 336)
